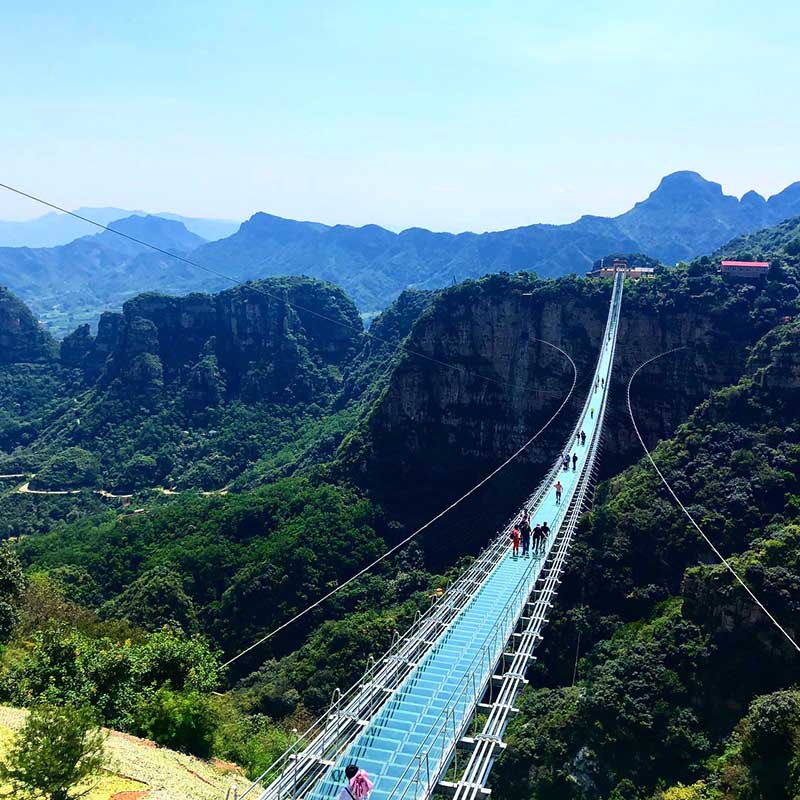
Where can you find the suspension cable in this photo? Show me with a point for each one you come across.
(430, 522)
(683, 508)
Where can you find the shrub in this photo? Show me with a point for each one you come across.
(183, 721)
(12, 587)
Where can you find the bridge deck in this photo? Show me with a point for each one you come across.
(408, 743)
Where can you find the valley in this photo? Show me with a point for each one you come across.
(291, 442)
(400, 402)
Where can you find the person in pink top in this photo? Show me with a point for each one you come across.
(358, 784)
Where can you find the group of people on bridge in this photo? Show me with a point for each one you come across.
(522, 533)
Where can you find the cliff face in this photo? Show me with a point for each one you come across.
(22, 340)
(452, 426)
(237, 344)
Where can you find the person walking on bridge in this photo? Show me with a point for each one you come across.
(515, 537)
(537, 537)
(545, 533)
(565, 461)
(583, 438)
(574, 461)
(559, 488)
(525, 530)
(358, 784)
(591, 413)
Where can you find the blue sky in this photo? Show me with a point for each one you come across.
(458, 115)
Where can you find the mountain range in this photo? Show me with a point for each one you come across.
(92, 272)
(310, 448)
(53, 229)
(684, 217)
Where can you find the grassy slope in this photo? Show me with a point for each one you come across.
(137, 765)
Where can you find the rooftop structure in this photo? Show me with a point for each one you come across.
(744, 269)
(630, 272)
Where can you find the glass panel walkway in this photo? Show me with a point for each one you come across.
(407, 744)
(411, 727)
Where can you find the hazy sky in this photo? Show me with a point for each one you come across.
(458, 115)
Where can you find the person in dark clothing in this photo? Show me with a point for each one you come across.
(525, 530)
(577, 438)
(545, 533)
(537, 538)
(583, 438)
(566, 461)
(574, 461)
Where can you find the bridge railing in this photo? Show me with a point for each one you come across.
(321, 744)
(446, 730)
(488, 741)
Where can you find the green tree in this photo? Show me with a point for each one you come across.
(68, 469)
(770, 746)
(54, 753)
(64, 665)
(155, 599)
(180, 720)
(141, 470)
(12, 588)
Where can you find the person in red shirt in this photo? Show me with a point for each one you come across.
(515, 536)
(559, 488)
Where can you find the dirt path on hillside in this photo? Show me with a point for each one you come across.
(25, 488)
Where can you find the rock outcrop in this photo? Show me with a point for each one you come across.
(454, 425)
(278, 340)
(76, 346)
(22, 339)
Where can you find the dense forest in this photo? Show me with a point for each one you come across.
(271, 449)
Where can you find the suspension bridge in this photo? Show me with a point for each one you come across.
(429, 716)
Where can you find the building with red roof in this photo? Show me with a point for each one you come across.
(744, 269)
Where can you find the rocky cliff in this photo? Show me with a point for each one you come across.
(22, 339)
(273, 340)
(440, 428)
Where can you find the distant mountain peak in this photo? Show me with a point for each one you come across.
(158, 231)
(786, 204)
(261, 222)
(53, 229)
(753, 198)
(678, 184)
(136, 222)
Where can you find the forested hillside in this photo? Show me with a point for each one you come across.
(454, 425)
(318, 445)
(191, 391)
